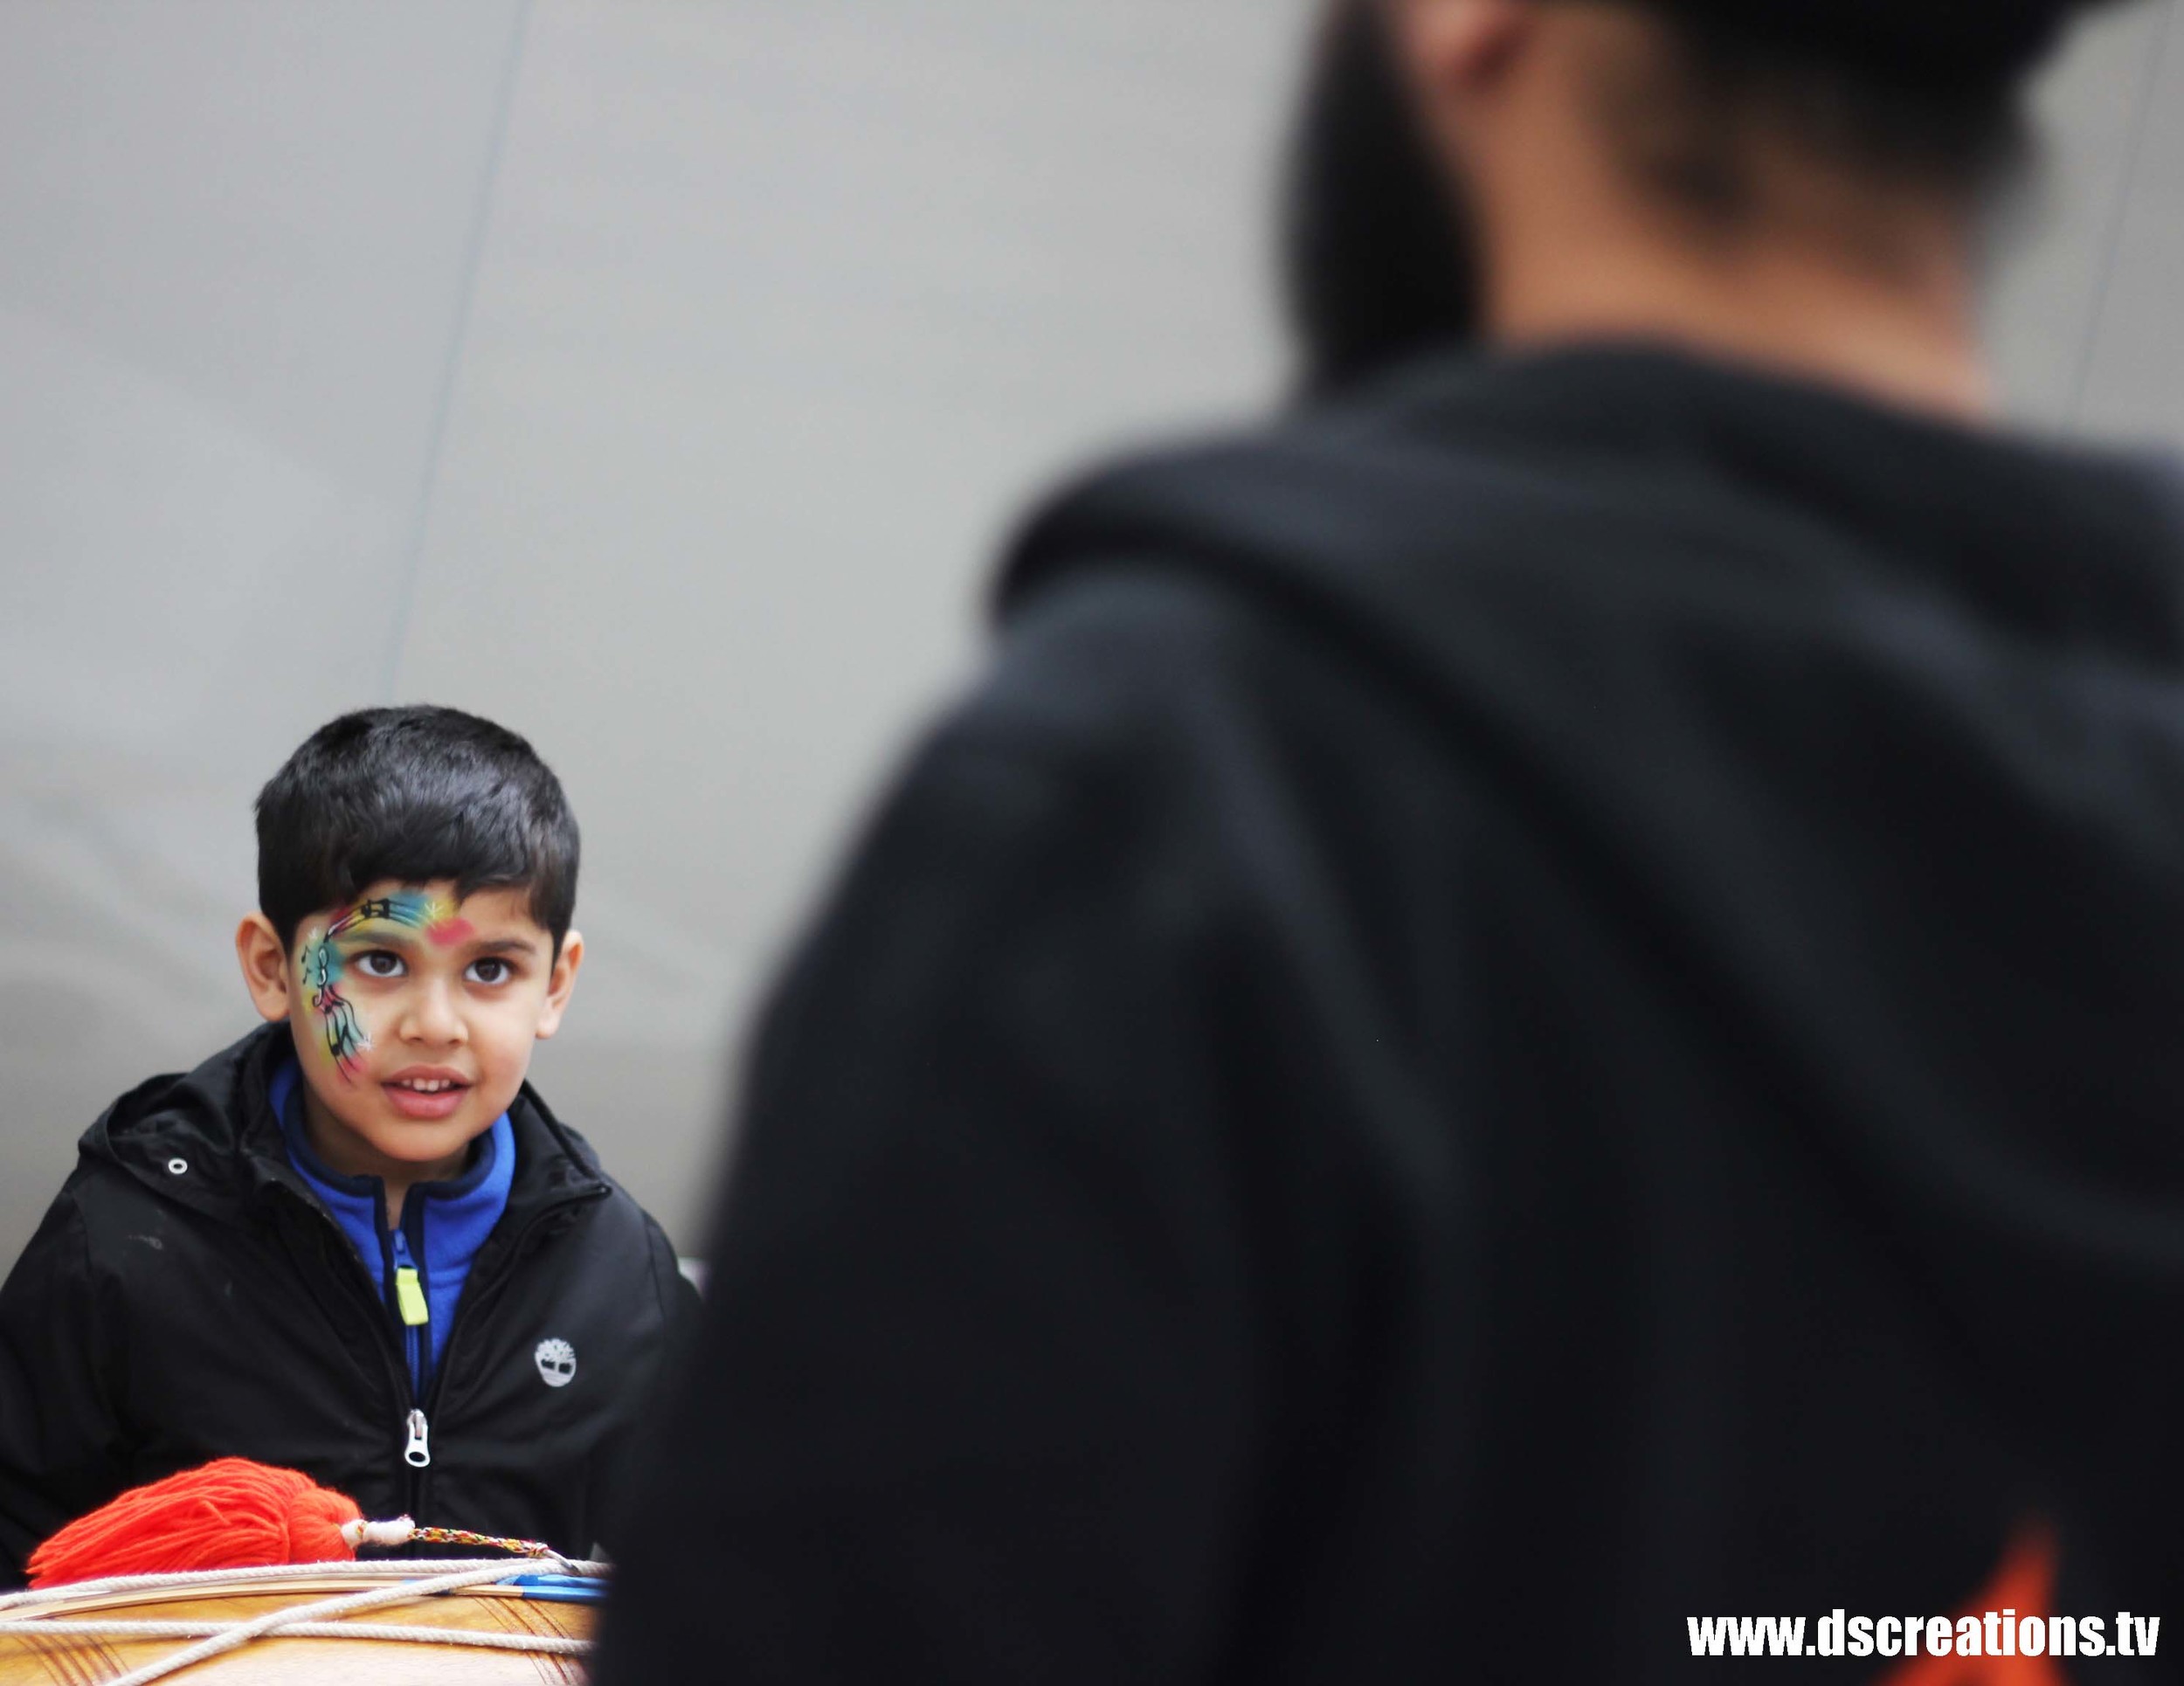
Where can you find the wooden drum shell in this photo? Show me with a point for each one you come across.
(86, 1660)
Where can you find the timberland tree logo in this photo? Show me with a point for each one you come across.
(556, 1362)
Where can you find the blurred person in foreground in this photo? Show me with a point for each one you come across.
(1541, 1003)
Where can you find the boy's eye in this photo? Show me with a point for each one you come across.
(380, 963)
(490, 970)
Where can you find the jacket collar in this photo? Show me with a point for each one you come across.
(208, 1140)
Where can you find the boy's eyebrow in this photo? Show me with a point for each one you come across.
(392, 934)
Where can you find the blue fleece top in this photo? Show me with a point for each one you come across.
(443, 1224)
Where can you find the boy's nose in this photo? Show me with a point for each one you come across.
(430, 1016)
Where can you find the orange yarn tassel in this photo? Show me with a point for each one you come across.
(229, 1514)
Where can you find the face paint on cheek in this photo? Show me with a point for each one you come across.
(341, 1032)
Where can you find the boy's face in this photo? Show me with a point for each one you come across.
(414, 1018)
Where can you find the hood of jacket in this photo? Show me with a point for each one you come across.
(1401, 510)
(1873, 723)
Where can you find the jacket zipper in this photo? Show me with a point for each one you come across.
(416, 1451)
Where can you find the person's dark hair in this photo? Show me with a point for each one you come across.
(1923, 93)
(1966, 54)
(1378, 257)
(1378, 263)
(415, 794)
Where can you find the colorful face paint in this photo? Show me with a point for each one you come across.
(322, 963)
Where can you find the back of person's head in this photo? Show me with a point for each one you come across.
(1924, 92)
(1916, 95)
(415, 794)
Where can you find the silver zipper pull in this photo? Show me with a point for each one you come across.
(418, 1452)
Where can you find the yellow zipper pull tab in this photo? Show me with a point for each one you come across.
(409, 1296)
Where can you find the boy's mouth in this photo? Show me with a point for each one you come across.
(426, 1094)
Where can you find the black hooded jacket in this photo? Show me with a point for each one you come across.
(188, 1298)
(1543, 1005)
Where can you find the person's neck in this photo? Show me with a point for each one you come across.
(341, 1152)
(1896, 323)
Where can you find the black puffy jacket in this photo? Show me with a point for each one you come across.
(187, 1298)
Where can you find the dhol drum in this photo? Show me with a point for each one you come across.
(418, 1622)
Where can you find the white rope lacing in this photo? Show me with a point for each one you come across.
(554, 1643)
(184, 1580)
(21, 1613)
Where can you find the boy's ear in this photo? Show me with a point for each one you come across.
(265, 962)
(560, 982)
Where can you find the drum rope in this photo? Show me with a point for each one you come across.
(19, 1612)
(94, 1628)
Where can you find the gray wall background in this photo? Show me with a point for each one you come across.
(658, 376)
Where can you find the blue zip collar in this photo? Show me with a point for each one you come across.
(443, 1225)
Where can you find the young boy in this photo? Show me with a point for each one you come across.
(356, 1243)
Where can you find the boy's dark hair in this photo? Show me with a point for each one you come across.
(415, 794)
